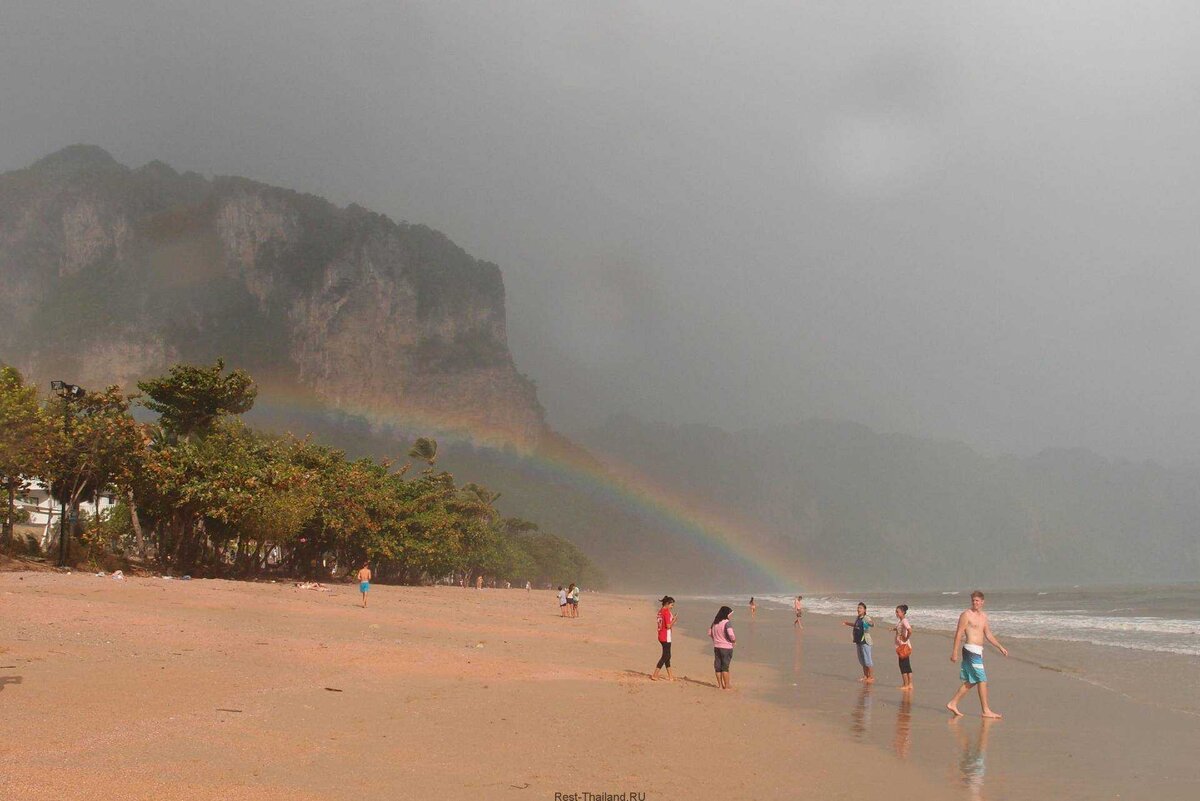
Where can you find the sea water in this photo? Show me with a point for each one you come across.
(1162, 619)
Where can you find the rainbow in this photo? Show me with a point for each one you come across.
(618, 483)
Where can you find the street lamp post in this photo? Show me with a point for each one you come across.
(68, 392)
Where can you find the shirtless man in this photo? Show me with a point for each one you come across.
(973, 625)
(364, 582)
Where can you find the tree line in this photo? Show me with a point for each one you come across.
(204, 494)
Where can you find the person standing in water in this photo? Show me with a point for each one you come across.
(753, 607)
(721, 633)
(666, 622)
(973, 629)
(862, 642)
(364, 582)
(798, 605)
(903, 631)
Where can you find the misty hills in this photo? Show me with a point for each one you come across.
(111, 273)
(346, 318)
(871, 510)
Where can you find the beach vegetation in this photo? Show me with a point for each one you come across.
(202, 493)
(24, 441)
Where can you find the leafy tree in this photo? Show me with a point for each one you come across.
(94, 445)
(190, 400)
(425, 450)
(24, 439)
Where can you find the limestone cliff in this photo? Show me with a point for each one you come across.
(108, 274)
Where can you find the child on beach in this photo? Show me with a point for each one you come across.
(798, 605)
(562, 601)
(903, 631)
(721, 633)
(753, 607)
(666, 622)
(573, 599)
(364, 582)
(862, 642)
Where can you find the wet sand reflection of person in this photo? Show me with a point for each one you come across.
(860, 715)
(972, 760)
(902, 741)
(797, 654)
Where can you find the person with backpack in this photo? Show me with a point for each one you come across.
(721, 633)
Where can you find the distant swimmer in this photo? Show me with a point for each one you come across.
(753, 607)
(862, 642)
(903, 631)
(973, 625)
(798, 605)
(364, 582)
(721, 633)
(666, 622)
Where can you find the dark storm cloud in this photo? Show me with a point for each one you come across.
(939, 218)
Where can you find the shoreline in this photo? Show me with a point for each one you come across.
(1119, 739)
(147, 688)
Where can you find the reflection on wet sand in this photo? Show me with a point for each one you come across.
(972, 760)
(860, 714)
(902, 741)
(796, 655)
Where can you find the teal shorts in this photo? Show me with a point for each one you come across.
(363, 586)
(971, 671)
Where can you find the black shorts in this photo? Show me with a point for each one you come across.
(906, 665)
(721, 659)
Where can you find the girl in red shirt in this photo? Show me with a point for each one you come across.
(666, 621)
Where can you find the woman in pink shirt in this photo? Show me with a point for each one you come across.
(721, 632)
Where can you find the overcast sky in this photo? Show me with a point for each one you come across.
(972, 221)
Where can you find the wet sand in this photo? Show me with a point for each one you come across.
(1080, 722)
(153, 689)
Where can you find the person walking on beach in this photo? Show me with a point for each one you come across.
(862, 642)
(573, 599)
(721, 633)
(753, 607)
(528, 587)
(364, 582)
(562, 601)
(973, 629)
(798, 605)
(479, 582)
(903, 631)
(666, 622)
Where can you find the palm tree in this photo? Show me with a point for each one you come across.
(424, 450)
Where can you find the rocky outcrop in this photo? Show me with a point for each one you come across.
(109, 274)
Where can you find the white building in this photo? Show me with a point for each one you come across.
(44, 511)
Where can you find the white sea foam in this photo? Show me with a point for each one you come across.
(1141, 632)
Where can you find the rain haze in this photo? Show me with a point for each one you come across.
(942, 219)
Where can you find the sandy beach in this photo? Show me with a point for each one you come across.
(163, 689)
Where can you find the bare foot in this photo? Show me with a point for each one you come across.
(990, 714)
(954, 710)
(868, 681)
(864, 678)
